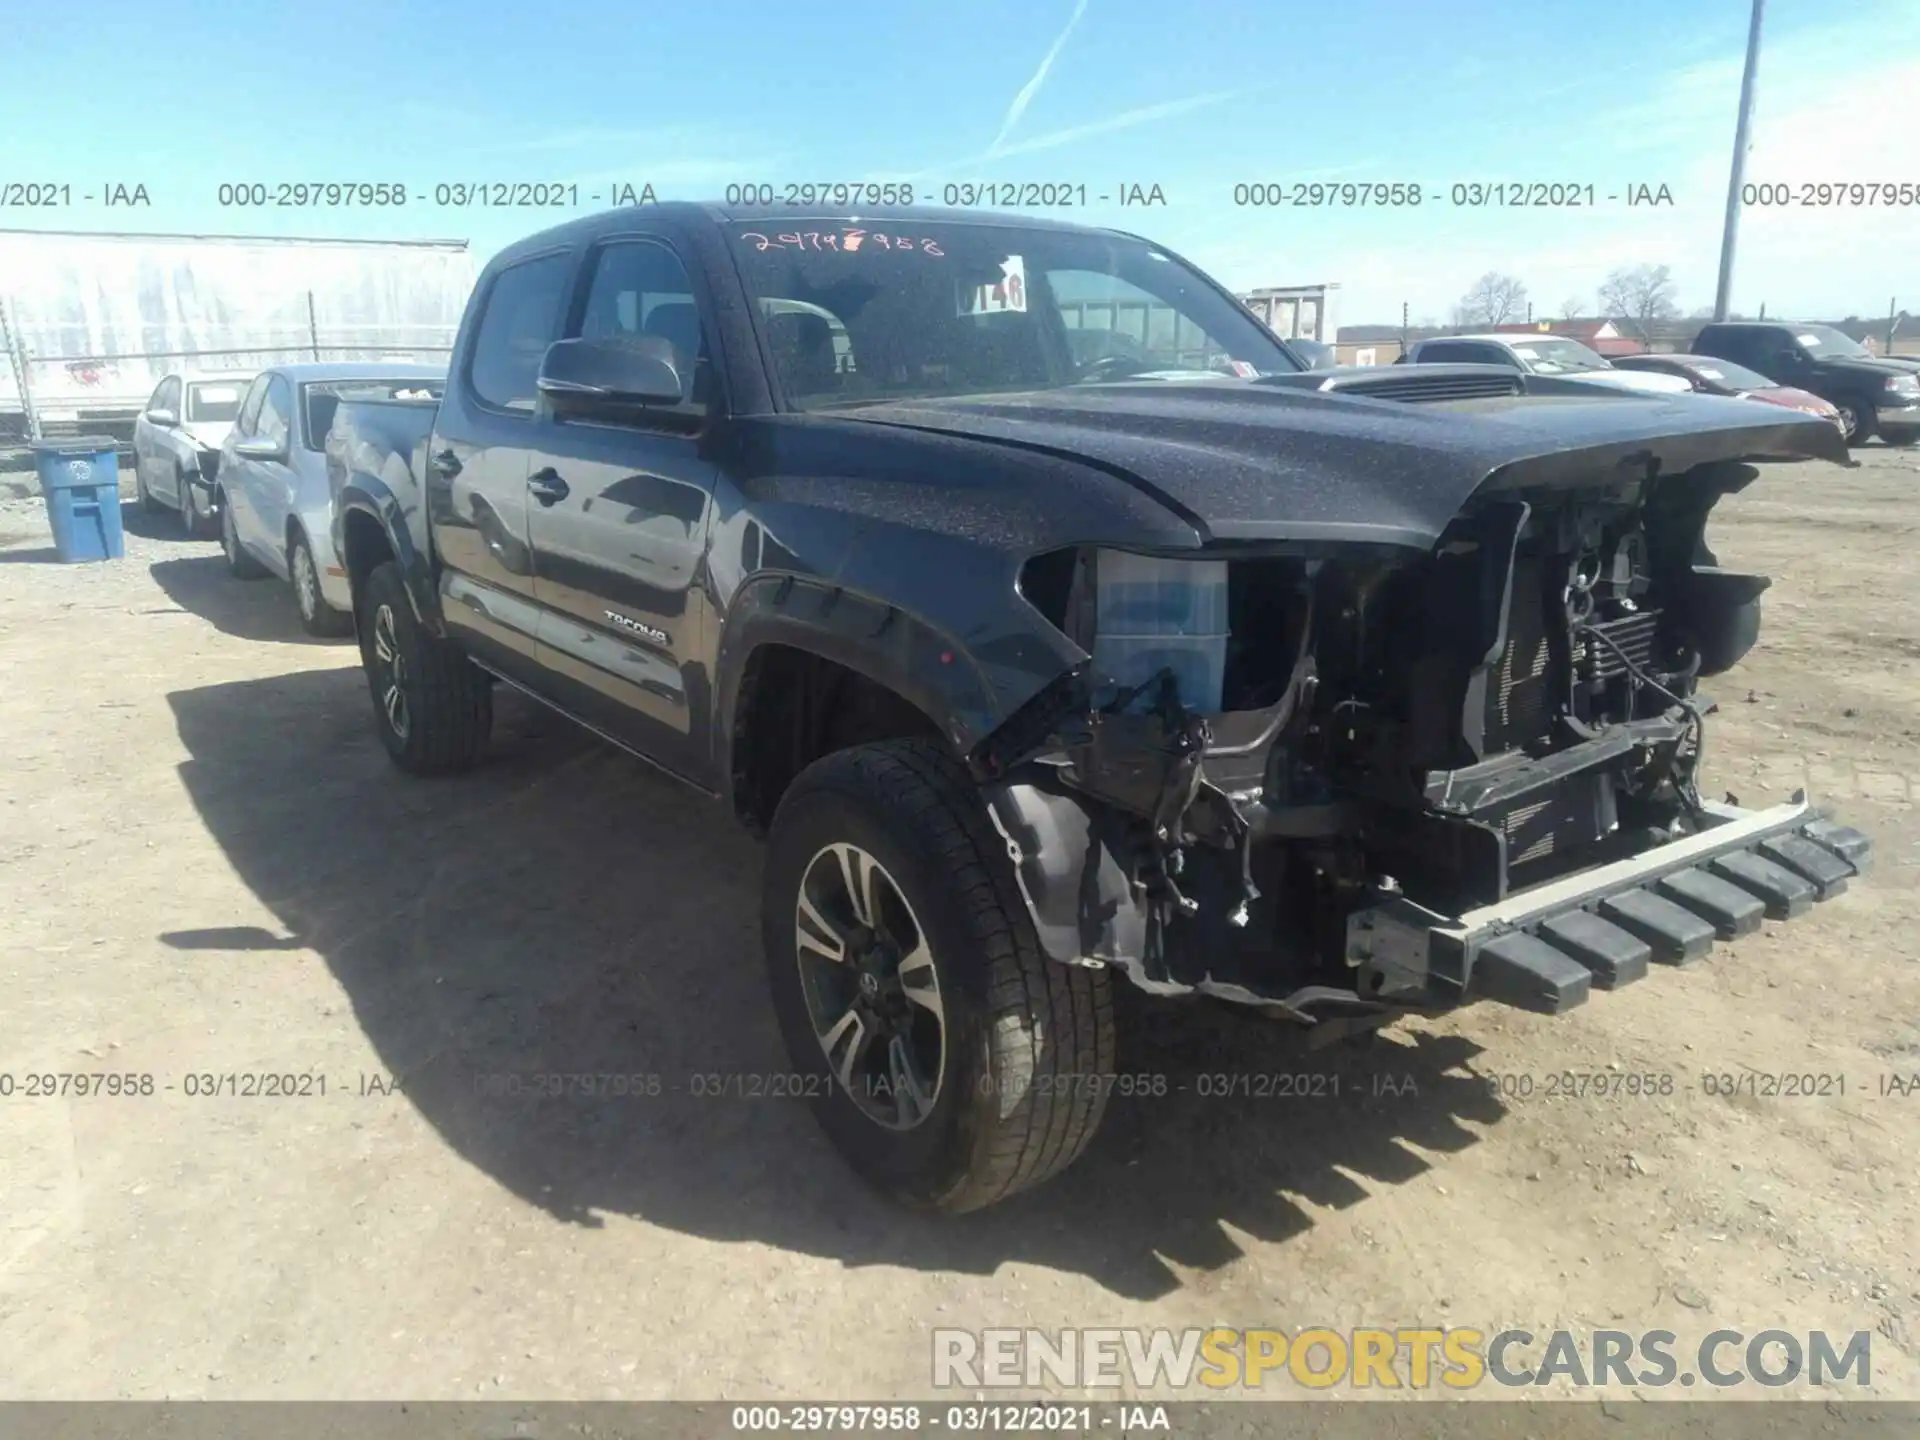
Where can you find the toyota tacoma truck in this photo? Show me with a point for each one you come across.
(1045, 667)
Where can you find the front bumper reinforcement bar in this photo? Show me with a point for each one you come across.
(1545, 948)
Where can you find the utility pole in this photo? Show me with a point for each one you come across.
(1723, 296)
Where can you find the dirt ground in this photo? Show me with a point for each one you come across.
(208, 868)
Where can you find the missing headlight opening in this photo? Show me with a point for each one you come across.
(1265, 742)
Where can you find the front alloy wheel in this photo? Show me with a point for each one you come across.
(871, 990)
(1853, 421)
(949, 1059)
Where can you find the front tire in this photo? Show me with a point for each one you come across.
(433, 705)
(317, 617)
(949, 1059)
(192, 522)
(1858, 418)
(240, 564)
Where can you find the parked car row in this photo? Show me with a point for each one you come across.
(1812, 368)
(247, 454)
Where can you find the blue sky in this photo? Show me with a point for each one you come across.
(1194, 98)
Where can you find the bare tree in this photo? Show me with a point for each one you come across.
(1640, 295)
(1571, 307)
(1495, 299)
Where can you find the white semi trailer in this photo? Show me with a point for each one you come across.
(89, 323)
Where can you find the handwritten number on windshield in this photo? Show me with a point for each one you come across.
(846, 243)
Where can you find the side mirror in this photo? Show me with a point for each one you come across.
(583, 376)
(258, 447)
(163, 417)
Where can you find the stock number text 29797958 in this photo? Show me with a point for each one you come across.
(449, 194)
(1462, 194)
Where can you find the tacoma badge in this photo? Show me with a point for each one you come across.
(659, 637)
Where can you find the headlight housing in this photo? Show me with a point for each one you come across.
(1904, 384)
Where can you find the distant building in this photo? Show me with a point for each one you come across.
(1295, 312)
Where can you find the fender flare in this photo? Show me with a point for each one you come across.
(367, 495)
(876, 639)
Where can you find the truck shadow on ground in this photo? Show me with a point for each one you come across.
(566, 910)
(249, 609)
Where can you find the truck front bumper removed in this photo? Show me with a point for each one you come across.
(1545, 948)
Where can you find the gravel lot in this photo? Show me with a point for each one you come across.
(209, 868)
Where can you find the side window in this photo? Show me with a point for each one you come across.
(1491, 355)
(1729, 345)
(250, 410)
(640, 293)
(1444, 350)
(520, 319)
(277, 412)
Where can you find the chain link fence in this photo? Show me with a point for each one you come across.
(47, 396)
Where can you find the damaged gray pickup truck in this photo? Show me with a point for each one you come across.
(1059, 630)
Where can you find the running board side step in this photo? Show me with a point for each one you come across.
(1546, 949)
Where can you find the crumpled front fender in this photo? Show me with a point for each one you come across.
(1082, 904)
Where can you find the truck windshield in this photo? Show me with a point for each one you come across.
(904, 309)
(322, 397)
(1824, 340)
(211, 402)
(1559, 357)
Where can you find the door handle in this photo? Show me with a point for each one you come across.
(446, 464)
(547, 486)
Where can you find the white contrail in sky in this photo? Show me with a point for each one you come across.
(1032, 87)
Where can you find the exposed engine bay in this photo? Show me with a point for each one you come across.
(1455, 729)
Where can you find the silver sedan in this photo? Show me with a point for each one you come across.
(276, 509)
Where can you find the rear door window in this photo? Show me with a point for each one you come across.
(521, 318)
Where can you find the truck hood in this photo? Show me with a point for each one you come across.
(1878, 365)
(1649, 380)
(1269, 460)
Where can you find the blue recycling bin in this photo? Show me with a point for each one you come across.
(80, 481)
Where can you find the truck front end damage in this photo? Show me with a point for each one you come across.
(1420, 777)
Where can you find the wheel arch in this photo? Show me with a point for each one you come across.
(373, 529)
(806, 668)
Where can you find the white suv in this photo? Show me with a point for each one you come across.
(1553, 355)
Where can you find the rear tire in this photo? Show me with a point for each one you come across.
(433, 705)
(317, 617)
(1015, 1084)
(240, 564)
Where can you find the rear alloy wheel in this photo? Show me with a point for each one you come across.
(433, 705)
(317, 617)
(950, 1060)
(1856, 420)
(240, 564)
